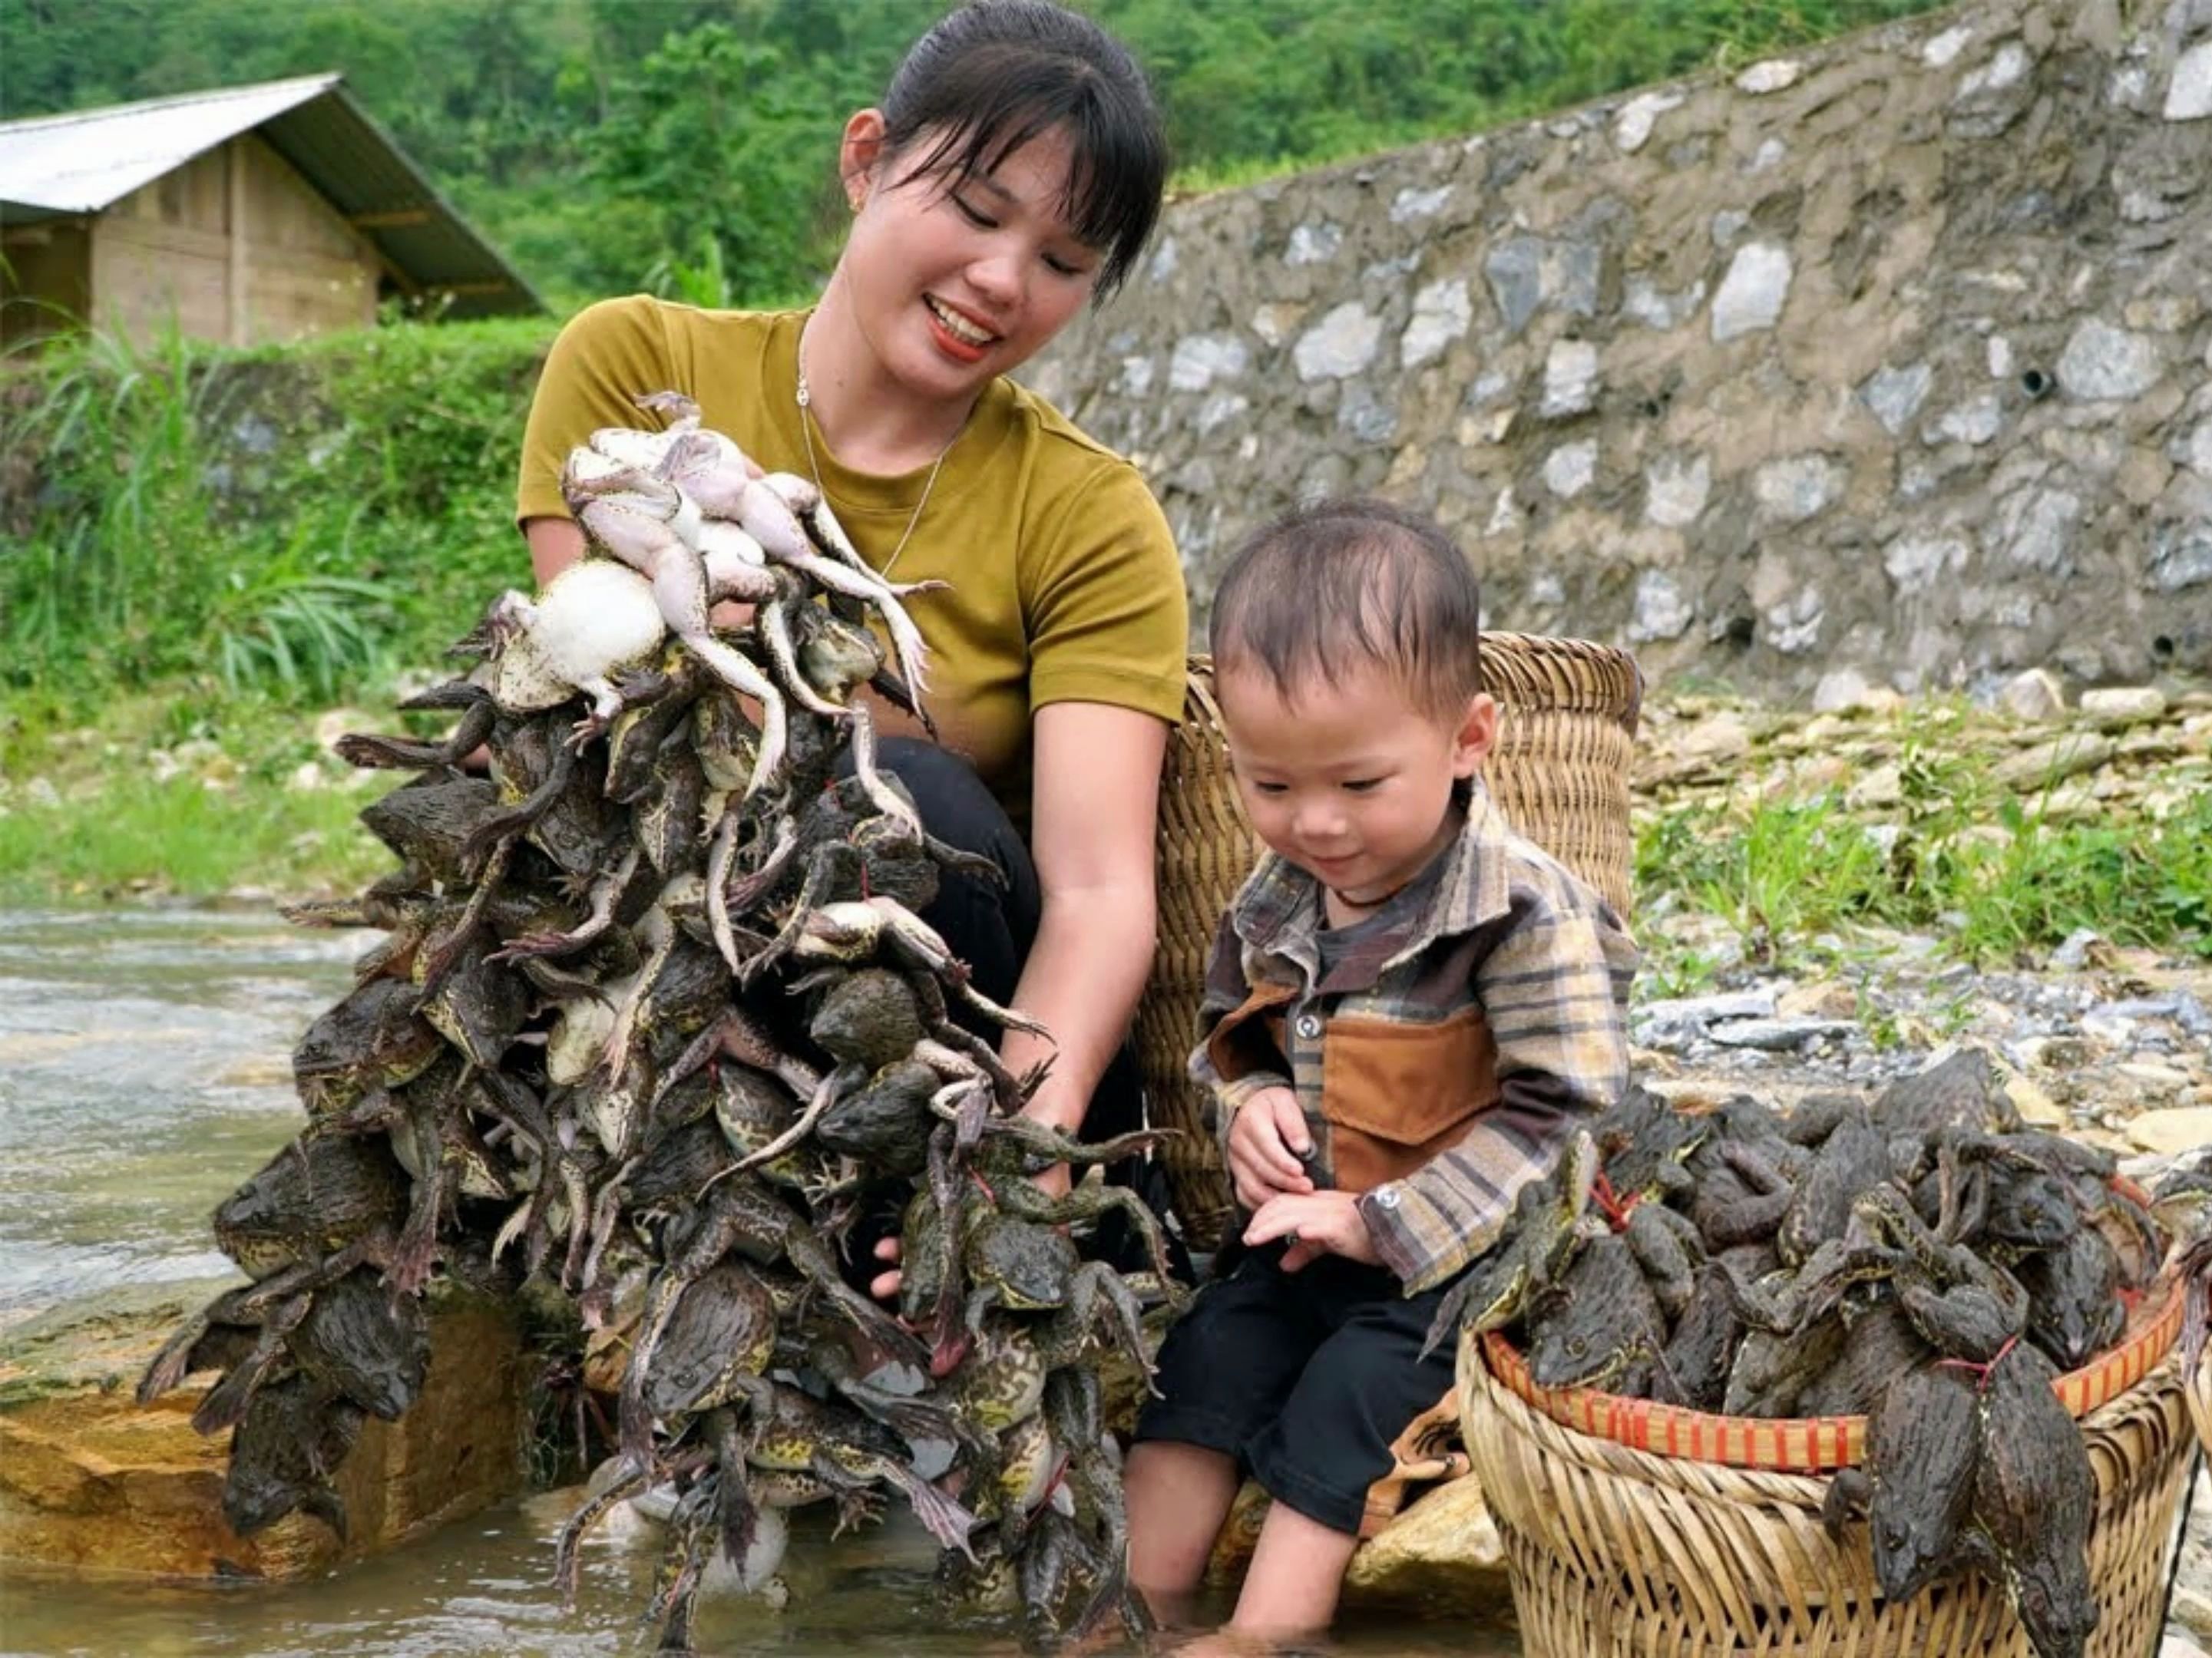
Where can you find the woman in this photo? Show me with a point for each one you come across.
(1011, 175)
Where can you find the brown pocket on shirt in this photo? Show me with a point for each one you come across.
(1396, 1094)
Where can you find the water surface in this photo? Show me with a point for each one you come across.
(143, 1073)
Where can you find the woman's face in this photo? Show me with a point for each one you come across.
(955, 279)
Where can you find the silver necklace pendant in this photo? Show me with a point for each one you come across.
(804, 399)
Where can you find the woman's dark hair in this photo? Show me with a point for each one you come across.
(991, 76)
(1354, 580)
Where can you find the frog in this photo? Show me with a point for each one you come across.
(478, 1005)
(1881, 1344)
(1773, 1369)
(796, 1433)
(867, 1017)
(886, 1120)
(1961, 1091)
(427, 824)
(667, 816)
(741, 1213)
(1531, 1250)
(1595, 1319)
(1853, 1157)
(2074, 1310)
(934, 1432)
(1667, 1249)
(713, 1346)
(863, 931)
(2034, 1497)
(2028, 1210)
(373, 1039)
(650, 526)
(291, 1440)
(1692, 1368)
(1074, 1410)
(1968, 1308)
(310, 1200)
(1743, 1198)
(1916, 1486)
(371, 1347)
(1644, 1145)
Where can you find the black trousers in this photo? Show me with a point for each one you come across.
(992, 925)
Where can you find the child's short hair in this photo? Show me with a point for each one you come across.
(1348, 580)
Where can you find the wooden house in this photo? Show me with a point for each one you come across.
(246, 214)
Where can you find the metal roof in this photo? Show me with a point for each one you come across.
(52, 166)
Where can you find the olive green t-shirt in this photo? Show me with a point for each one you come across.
(1066, 585)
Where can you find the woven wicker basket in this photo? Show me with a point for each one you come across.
(2200, 1398)
(1559, 773)
(1618, 1552)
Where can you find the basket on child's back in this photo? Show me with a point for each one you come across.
(1560, 772)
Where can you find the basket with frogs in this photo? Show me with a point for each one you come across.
(1889, 1375)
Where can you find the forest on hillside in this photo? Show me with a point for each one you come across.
(686, 145)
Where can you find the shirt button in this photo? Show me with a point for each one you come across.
(1386, 1197)
(1309, 1026)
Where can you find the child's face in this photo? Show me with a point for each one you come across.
(1351, 782)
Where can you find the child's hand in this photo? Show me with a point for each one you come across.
(1266, 1143)
(1317, 1224)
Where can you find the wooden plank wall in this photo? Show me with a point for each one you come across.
(175, 247)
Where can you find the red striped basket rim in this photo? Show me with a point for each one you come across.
(1810, 1444)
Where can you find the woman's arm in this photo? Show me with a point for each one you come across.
(1094, 799)
(554, 544)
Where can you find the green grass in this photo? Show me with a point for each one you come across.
(85, 816)
(1984, 874)
(140, 838)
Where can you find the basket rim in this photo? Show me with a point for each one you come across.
(1810, 1445)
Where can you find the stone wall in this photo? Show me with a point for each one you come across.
(1893, 357)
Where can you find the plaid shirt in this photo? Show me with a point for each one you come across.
(1509, 939)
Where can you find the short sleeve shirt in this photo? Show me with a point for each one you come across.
(1065, 585)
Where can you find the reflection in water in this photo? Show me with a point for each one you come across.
(485, 1586)
(143, 1073)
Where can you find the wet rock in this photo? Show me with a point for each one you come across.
(1443, 1553)
(91, 1480)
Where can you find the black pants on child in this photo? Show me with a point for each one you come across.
(991, 925)
(1304, 1378)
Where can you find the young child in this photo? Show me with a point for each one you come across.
(1408, 1006)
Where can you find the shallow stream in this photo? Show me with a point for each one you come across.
(145, 1071)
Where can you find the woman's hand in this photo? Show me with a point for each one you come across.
(884, 1286)
(1316, 1224)
(1267, 1144)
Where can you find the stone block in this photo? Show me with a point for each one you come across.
(91, 1480)
(1442, 1554)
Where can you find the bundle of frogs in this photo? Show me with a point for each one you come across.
(656, 1021)
(1922, 1259)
